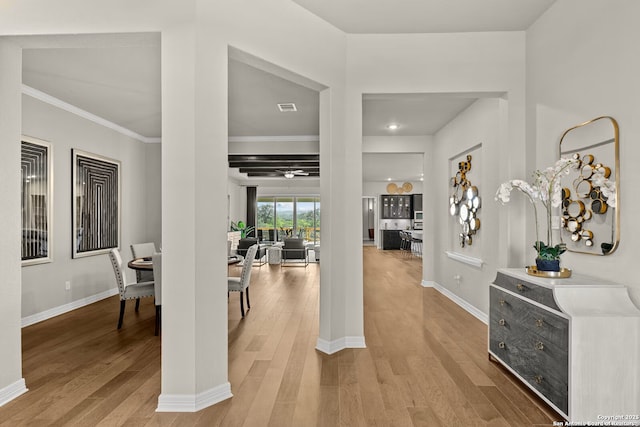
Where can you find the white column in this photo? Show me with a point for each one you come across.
(194, 176)
(11, 382)
(341, 297)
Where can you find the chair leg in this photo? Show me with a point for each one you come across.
(248, 304)
(122, 302)
(137, 303)
(158, 313)
(242, 303)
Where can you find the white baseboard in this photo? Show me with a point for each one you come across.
(56, 311)
(193, 403)
(12, 391)
(330, 347)
(461, 302)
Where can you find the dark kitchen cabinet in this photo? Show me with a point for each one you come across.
(391, 239)
(417, 202)
(396, 207)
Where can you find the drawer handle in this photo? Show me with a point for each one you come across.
(502, 322)
(501, 344)
(539, 323)
(538, 379)
(520, 287)
(539, 346)
(501, 302)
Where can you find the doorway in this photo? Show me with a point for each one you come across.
(368, 221)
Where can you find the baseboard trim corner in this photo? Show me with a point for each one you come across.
(330, 347)
(12, 391)
(461, 302)
(428, 284)
(194, 403)
(61, 309)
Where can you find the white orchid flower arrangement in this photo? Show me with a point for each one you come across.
(547, 189)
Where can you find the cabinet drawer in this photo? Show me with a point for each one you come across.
(512, 313)
(527, 289)
(533, 342)
(545, 369)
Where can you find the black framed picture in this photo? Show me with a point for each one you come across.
(96, 204)
(36, 200)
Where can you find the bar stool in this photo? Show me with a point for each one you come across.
(417, 244)
(405, 241)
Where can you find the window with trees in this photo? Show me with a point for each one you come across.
(289, 216)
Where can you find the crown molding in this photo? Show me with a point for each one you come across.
(282, 138)
(51, 100)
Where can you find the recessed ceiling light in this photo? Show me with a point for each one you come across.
(388, 179)
(287, 107)
(393, 126)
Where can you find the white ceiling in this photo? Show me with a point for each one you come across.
(427, 16)
(393, 167)
(122, 83)
(415, 114)
(253, 98)
(116, 78)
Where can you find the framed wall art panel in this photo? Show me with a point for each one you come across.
(96, 204)
(37, 200)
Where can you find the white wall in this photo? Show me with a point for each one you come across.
(478, 125)
(237, 202)
(153, 185)
(581, 66)
(11, 382)
(43, 285)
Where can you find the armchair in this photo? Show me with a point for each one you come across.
(246, 243)
(294, 250)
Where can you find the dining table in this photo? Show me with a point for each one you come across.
(234, 259)
(142, 264)
(146, 263)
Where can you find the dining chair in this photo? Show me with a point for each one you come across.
(241, 284)
(133, 290)
(143, 250)
(157, 285)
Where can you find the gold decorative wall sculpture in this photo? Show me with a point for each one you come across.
(590, 209)
(584, 200)
(393, 188)
(464, 203)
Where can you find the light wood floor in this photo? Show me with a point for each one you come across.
(425, 363)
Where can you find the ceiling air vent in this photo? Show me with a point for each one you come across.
(287, 107)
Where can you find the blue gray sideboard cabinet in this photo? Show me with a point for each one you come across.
(575, 342)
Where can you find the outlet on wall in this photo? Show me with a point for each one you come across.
(67, 285)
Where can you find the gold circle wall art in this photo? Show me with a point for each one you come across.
(590, 199)
(393, 188)
(464, 203)
(584, 201)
